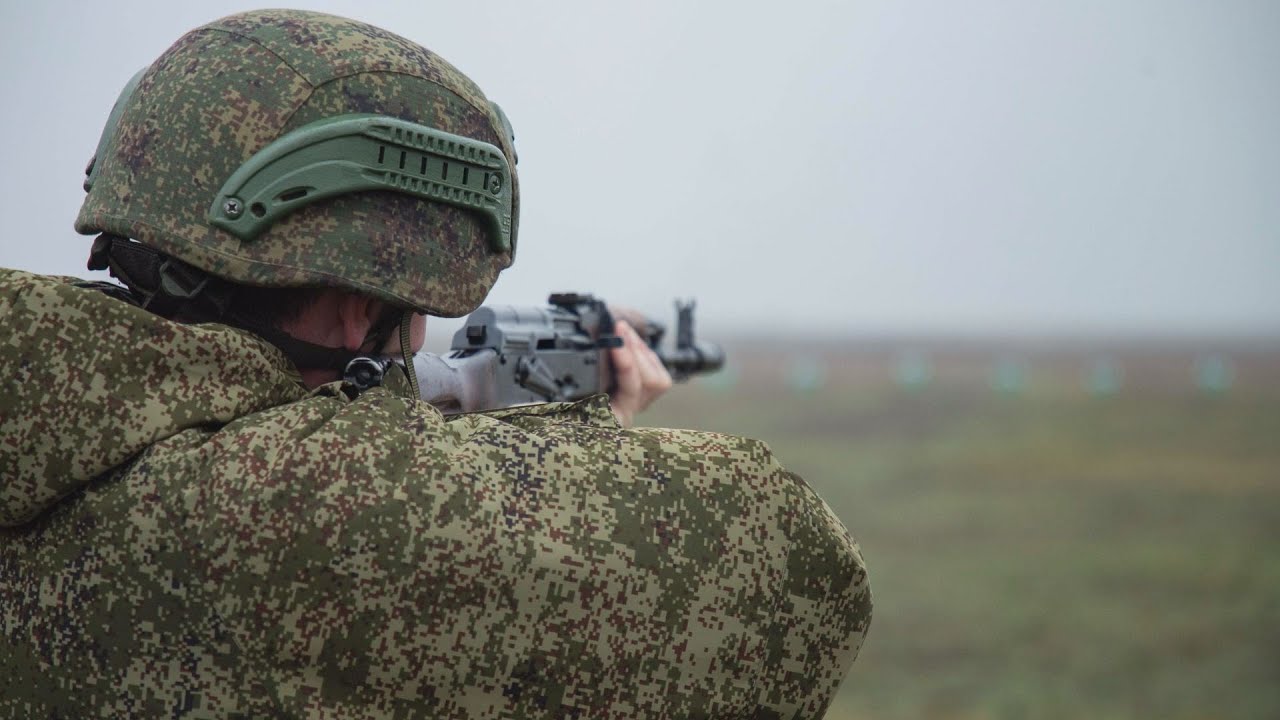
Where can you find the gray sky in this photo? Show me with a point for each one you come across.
(968, 167)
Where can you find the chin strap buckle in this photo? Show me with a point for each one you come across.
(364, 373)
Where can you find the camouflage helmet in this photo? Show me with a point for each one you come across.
(295, 149)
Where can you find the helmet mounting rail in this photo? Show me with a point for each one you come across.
(353, 153)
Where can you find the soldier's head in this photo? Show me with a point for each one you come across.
(271, 157)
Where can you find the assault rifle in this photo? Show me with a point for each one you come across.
(505, 356)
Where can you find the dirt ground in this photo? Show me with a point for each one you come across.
(1054, 530)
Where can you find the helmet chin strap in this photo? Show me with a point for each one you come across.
(172, 288)
(308, 355)
(406, 321)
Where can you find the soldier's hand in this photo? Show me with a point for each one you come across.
(640, 376)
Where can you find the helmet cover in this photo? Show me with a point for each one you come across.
(227, 90)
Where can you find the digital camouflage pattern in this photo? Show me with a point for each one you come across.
(226, 90)
(188, 533)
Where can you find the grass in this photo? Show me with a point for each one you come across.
(1049, 554)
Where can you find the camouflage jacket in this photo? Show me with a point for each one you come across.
(185, 531)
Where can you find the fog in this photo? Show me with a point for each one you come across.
(980, 168)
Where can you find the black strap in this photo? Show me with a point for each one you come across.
(303, 354)
(166, 286)
(110, 289)
(171, 288)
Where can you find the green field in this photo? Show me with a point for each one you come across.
(1045, 551)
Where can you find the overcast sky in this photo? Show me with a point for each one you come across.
(969, 167)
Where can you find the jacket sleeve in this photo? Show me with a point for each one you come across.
(765, 591)
(379, 561)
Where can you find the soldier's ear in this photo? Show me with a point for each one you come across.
(357, 313)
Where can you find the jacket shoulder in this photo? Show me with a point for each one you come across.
(682, 571)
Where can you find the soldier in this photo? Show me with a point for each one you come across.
(200, 519)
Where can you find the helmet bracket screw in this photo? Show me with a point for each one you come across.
(233, 207)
